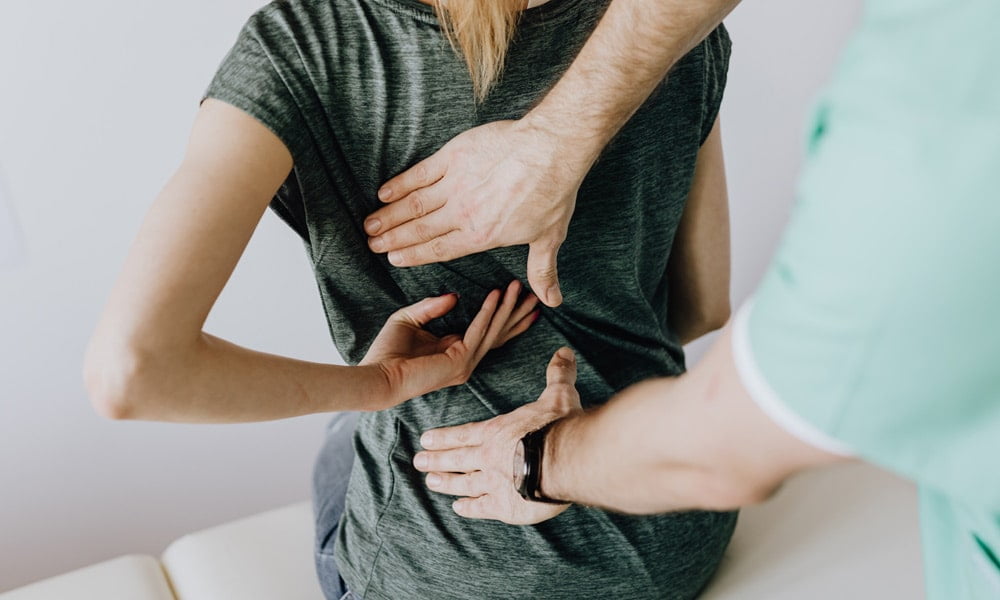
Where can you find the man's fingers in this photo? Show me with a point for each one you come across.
(458, 484)
(440, 249)
(456, 460)
(420, 203)
(426, 310)
(475, 508)
(420, 175)
(418, 231)
(470, 434)
(562, 367)
(542, 272)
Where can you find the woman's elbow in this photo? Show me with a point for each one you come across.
(111, 374)
(705, 321)
(717, 317)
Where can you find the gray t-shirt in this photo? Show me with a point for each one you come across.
(359, 90)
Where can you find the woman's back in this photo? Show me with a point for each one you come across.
(359, 90)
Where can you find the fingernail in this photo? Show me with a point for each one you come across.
(552, 295)
(384, 194)
(538, 313)
(426, 440)
(377, 244)
(420, 461)
(433, 480)
(372, 226)
(394, 258)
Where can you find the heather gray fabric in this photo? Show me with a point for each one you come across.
(360, 89)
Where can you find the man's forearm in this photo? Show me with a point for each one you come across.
(697, 441)
(633, 457)
(630, 52)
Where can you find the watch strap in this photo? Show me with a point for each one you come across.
(534, 450)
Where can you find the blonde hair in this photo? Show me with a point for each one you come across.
(480, 30)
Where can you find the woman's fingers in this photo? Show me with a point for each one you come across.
(519, 321)
(446, 342)
(480, 325)
(500, 319)
(426, 310)
(517, 328)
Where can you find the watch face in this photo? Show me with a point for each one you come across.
(520, 467)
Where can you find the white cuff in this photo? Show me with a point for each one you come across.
(767, 399)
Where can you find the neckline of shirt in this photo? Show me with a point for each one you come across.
(424, 12)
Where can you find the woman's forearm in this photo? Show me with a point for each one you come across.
(216, 381)
(629, 53)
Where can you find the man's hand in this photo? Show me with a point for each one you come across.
(416, 361)
(476, 460)
(500, 184)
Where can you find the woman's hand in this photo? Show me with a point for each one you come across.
(476, 460)
(500, 184)
(414, 361)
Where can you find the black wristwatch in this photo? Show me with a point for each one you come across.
(528, 466)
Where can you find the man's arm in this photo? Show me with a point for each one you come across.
(698, 271)
(695, 441)
(698, 441)
(444, 207)
(629, 53)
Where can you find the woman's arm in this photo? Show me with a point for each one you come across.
(150, 359)
(698, 271)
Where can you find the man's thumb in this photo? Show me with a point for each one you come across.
(542, 273)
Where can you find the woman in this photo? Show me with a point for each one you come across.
(317, 104)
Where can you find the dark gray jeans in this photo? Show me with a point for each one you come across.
(330, 476)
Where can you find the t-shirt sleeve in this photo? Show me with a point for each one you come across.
(717, 50)
(874, 331)
(250, 79)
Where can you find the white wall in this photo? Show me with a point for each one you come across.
(96, 100)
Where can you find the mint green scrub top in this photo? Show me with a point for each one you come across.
(876, 330)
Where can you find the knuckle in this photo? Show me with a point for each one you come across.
(544, 271)
(491, 428)
(417, 205)
(421, 172)
(422, 232)
(480, 236)
(437, 248)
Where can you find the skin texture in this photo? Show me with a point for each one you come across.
(538, 162)
(150, 359)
